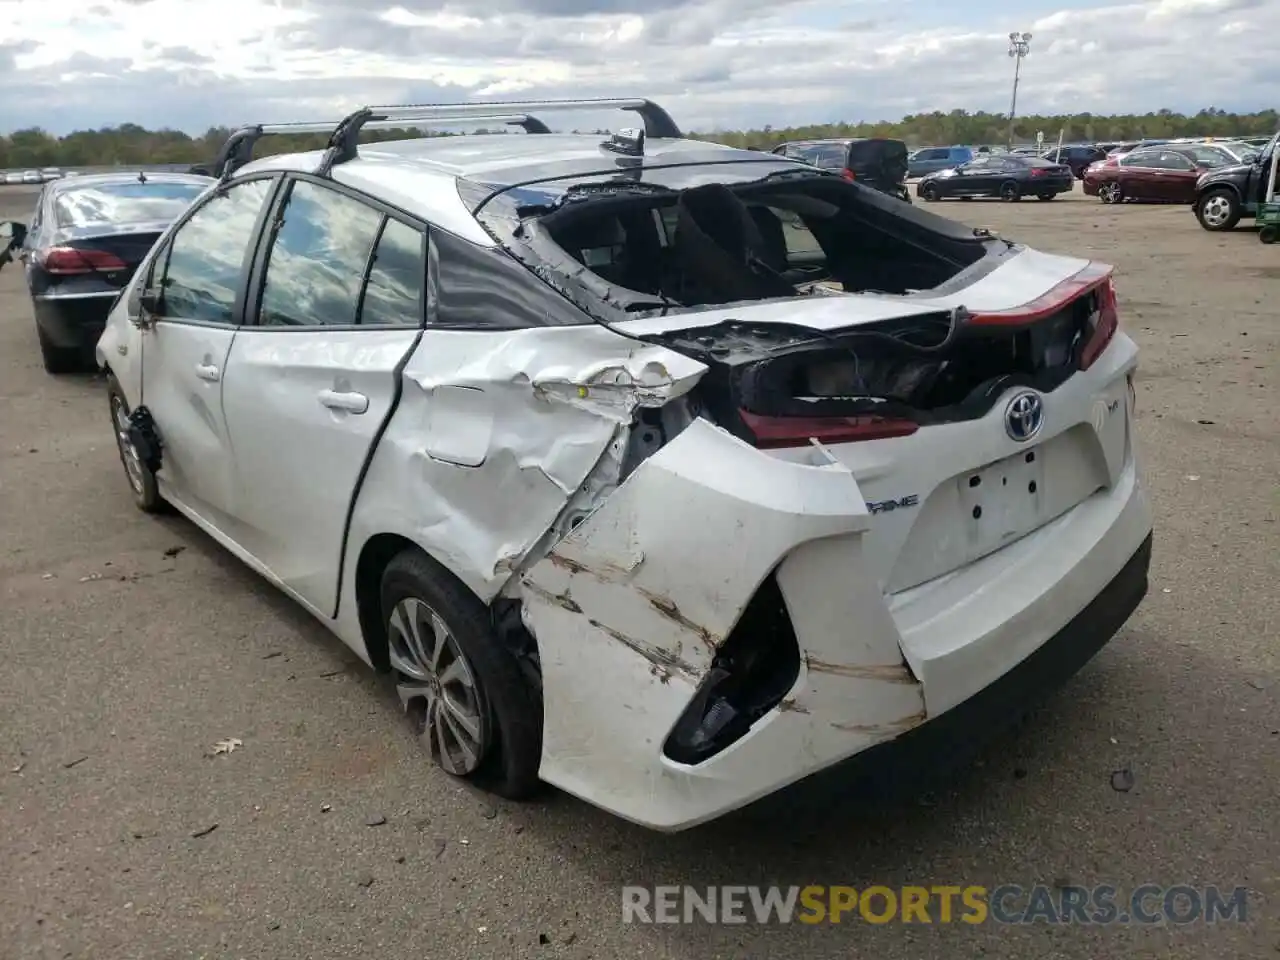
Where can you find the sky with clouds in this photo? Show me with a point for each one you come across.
(724, 64)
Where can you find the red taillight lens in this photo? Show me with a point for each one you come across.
(1103, 324)
(1037, 171)
(72, 260)
(1047, 304)
(771, 433)
(847, 174)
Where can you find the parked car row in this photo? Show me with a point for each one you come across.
(1221, 181)
(633, 462)
(34, 176)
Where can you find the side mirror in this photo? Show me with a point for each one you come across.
(149, 301)
(146, 308)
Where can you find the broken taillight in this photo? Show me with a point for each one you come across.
(1094, 280)
(1103, 323)
(753, 670)
(771, 433)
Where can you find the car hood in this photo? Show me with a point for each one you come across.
(1229, 172)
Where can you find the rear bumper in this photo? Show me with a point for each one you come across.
(1051, 186)
(629, 608)
(73, 320)
(959, 735)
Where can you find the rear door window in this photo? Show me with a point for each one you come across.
(316, 267)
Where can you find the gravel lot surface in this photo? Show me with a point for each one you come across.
(132, 645)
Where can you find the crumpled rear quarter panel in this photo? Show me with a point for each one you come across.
(630, 607)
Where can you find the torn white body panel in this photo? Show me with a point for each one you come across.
(495, 433)
(640, 596)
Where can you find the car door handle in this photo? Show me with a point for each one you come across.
(207, 371)
(347, 402)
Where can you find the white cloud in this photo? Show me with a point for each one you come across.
(714, 63)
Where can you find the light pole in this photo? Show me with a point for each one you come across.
(1019, 47)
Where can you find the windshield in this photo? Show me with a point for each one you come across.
(1244, 151)
(1208, 156)
(132, 202)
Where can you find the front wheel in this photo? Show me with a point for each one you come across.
(1218, 210)
(141, 476)
(472, 707)
(1010, 192)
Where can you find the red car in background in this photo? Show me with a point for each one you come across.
(1165, 174)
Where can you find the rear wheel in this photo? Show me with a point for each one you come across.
(1046, 196)
(471, 706)
(928, 191)
(1110, 192)
(1010, 192)
(60, 359)
(1269, 234)
(1218, 210)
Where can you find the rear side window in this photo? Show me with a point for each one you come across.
(333, 262)
(396, 277)
(132, 202)
(316, 266)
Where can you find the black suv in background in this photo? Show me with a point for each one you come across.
(1076, 156)
(1227, 193)
(878, 162)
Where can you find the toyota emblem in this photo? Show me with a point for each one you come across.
(1024, 416)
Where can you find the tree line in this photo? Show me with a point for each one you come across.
(132, 144)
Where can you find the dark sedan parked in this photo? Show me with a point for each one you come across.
(1005, 176)
(87, 236)
(1076, 156)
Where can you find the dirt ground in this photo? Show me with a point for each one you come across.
(131, 645)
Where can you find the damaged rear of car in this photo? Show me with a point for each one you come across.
(900, 469)
(664, 472)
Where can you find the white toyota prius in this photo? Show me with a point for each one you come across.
(664, 472)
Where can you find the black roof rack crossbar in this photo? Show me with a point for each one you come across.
(343, 143)
(238, 148)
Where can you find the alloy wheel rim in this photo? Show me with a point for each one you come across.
(1217, 210)
(132, 462)
(1109, 192)
(438, 687)
(1008, 191)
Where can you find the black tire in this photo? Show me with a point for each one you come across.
(1218, 210)
(140, 476)
(1110, 192)
(927, 191)
(1010, 192)
(1046, 196)
(59, 360)
(1269, 234)
(509, 705)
